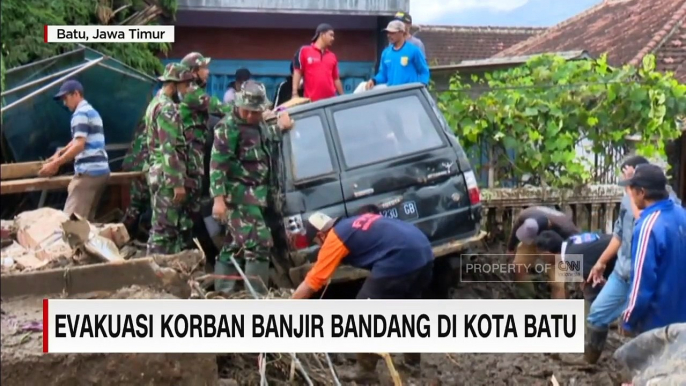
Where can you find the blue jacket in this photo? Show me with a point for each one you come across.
(402, 66)
(658, 253)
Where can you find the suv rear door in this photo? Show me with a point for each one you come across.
(312, 181)
(393, 153)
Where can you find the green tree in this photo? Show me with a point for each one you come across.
(23, 21)
(544, 109)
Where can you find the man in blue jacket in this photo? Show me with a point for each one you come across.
(612, 299)
(401, 62)
(658, 290)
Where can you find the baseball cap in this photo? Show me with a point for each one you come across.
(69, 87)
(403, 16)
(647, 176)
(243, 74)
(395, 26)
(322, 28)
(528, 231)
(318, 222)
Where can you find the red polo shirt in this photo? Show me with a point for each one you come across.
(319, 70)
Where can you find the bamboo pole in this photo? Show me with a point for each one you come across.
(52, 84)
(61, 182)
(20, 170)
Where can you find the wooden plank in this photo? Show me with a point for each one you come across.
(57, 183)
(20, 170)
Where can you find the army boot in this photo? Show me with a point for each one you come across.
(226, 273)
(595, 343)
(364, 371)
(257, 271)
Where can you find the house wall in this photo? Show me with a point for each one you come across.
(267, 52)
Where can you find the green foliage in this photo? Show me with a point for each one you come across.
(544, 109)
(23, 21)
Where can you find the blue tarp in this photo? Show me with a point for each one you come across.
(36, 127)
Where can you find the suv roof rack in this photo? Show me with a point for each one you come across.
(352, 97)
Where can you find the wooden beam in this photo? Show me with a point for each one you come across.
(57, 183)
(20, 170)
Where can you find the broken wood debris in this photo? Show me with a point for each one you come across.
(61, 182)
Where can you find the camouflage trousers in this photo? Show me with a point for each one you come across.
(139, 193)
(194, 196)
(249, 241)
(170, 224)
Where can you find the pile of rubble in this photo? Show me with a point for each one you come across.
(49, 238)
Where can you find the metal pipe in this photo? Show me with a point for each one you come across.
(112, 147)
(43, 60)
(23, 86)
(45, 88)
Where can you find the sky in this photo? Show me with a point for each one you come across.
(505, 13)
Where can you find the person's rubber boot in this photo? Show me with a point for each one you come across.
(595, 343)
(257, 272)
(222, 284)
(364, 371)
(525, 290)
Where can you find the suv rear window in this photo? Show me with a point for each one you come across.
(309, 149)
(384, 130)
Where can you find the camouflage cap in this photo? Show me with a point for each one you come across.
(195, 60)
(176, 72)
(253, 96)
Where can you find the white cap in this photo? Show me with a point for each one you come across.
(320, 221)
(395, 26)
(528, 231)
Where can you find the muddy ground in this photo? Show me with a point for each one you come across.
(22, 358)
(23, 362)
(467, 369)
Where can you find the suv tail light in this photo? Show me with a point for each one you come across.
(295, 230)
(299, 241)
(472, 188)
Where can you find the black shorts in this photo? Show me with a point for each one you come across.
(408, 286)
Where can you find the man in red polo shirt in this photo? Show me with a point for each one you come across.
(318, 66)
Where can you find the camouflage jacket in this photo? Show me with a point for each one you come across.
(166, 143)
(240, 162)
(195, 109)
(136, 158)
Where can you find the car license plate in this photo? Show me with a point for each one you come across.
(404, 211)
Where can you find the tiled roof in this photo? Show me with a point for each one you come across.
(626, 30)
(451, 45)
(671, 56)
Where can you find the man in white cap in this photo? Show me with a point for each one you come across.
(397, 253)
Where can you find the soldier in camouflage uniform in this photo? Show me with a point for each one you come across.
(136, 160)
(239, 183)
(195, 109)
(167, 171)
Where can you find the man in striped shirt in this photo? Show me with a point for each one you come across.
(87, 149)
